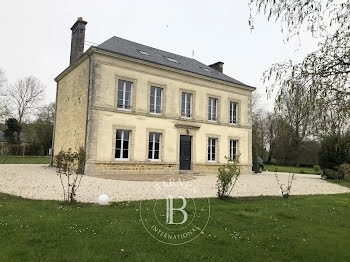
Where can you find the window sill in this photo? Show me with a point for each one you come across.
(124, 109)
(186, 118)
(122, 159)
(155, 114)
(154, 160)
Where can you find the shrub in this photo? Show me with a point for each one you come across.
(318, 170)
(331, 174)
(227, 178)
(70, 169)
(344, 170)
(334, 151)
(285, 189)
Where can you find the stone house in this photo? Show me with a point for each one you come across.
(138, 109)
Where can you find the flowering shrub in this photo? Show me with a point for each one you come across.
(70, 169)
(227, 178)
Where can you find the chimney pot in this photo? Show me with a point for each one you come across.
(218, 66)
(78, 39)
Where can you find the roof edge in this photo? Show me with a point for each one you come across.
(70, 68)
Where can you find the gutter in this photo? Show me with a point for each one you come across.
(54, 128)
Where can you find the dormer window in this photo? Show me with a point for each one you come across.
(172, 59)
(143, 52)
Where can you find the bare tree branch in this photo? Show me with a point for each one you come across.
(25, 96)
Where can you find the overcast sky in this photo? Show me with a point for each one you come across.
(35, 35)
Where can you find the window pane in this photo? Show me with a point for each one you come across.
(125, 154)
(156, 155)
(128, 86)
(209, 109)
(125, 144)
(120, 93)
(156, 146)
(152, 100)
(149, 154)
(126, 135)
(118, 144)
(117, 153)
(157, 137)
(183, 98)
(119, 134)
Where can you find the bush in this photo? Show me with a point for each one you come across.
(344, 170)
(318, 169)
(334, 151)
(70, 169)
(331, 174)
(227, 177)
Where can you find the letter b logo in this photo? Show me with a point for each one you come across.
(170, 210)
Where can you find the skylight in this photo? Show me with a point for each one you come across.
(143, 52)
(171, 59)
(205, 69)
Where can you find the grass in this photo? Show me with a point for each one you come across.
(6, 159)
(302, 228)
(290, 169)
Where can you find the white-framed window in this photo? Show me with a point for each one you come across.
(233, 149)
(233, 112)
(212, 109)
(122, 145)
(156, 100)
(124, 100)
(154, 146)
(186, 105)
(211, 149)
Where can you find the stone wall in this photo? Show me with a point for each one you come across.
(72, 91)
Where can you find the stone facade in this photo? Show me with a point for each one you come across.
(71, 108)
(103, 118)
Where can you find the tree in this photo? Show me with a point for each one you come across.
(4, 107)
(25, 95)
(323, 75)
(47, 113)
(296, 110)
(12, 131)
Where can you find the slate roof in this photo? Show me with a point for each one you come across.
(131, 49)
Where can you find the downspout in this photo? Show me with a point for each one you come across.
(87, 108)
(54, 128)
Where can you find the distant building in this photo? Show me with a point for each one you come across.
(138, 109)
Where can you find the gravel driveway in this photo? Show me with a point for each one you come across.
(41, 182)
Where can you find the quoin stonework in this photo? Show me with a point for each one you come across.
(138, 109)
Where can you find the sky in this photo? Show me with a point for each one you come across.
(35, 35)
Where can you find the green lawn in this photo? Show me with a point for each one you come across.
(290, 169)
(5, 159)
(302, 228)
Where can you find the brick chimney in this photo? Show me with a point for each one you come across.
(218, 66)
(78, 38)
